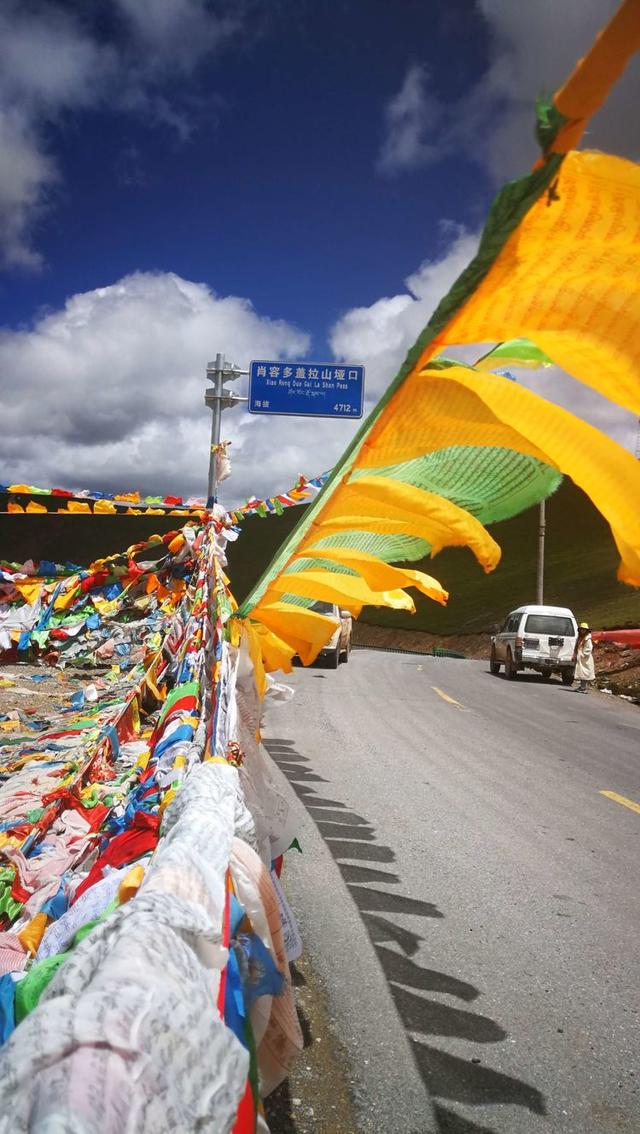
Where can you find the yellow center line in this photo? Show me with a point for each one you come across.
(448, 699)
(621, 799)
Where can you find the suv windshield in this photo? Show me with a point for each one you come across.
(549, 624)
(322, 607)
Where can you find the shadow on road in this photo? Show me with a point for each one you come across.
(532, 678)
(448, 1077)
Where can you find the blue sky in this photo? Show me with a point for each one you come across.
(268, 177)
(273, 192)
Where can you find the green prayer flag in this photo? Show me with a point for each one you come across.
(516, 352)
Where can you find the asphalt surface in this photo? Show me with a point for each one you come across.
(467, 895)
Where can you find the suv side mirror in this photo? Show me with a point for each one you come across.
(345, 614)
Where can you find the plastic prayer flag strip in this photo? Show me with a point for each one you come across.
(101, 504)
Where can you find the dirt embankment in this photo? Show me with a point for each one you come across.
(420, 641)
(617, 667)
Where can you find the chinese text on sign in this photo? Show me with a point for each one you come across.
(306, 389)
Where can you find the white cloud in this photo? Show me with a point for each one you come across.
(409, 119)
(49, 60)
(536, 47)
(108, 392)
(532, 50)
(27, 172)
(176, 34)
(54, 63)
(381, 335)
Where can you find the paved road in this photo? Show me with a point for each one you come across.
(469, 897)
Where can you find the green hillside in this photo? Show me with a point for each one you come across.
(581, 562)
(75, 539)
(580, 572)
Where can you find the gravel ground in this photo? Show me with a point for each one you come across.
(316, 1098)
(40, 696)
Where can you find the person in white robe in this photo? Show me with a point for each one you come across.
(585, 671)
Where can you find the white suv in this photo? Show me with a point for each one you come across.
(542, 638)
(338, 647)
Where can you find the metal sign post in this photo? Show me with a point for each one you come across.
(219, 399)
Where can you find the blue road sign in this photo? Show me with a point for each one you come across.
(306, 389)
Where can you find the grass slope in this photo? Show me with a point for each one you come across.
(75, 539)
(581, 564)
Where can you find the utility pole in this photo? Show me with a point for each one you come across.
(542, 524)
(541, 535)
(219, 399)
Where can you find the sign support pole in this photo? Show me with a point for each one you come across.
(219, 399)
(215, 373)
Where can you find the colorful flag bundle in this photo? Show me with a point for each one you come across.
(301, 491)
(107, 611)
(85, 502)
(62, 501)
(140, 917)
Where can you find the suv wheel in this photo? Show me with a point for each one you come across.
(568, 677)
(494, 664)
(510, 670)
(334, 658)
